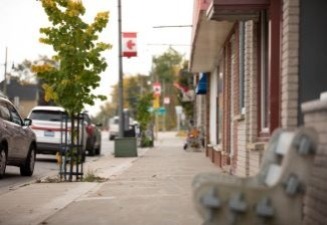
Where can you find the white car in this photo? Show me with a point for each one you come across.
(113, 127)
(49, 127)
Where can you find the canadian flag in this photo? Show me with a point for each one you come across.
(129, 44)
(181, 87)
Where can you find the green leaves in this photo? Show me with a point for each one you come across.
(143, 113)
(78, 55)
(164, 65)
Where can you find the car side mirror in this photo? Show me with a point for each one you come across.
(27, 122)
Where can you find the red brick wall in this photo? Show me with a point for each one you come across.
(217, 158)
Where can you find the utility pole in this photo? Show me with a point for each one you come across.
(5, 74)
(120, 81)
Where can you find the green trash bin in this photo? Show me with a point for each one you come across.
(125, 147)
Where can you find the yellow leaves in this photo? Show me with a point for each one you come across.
(50, 94)
(42, 68)
(102, 16)
(75, 7)
(44, 41)
(103, 46)
(72, 13)
(49, 3)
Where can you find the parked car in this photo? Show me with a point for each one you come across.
(93, 141)
(17, 140)
(48, 125)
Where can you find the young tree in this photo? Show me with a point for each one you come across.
(78, 53)
(144, 117)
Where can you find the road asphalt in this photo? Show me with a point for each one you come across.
(151, 189)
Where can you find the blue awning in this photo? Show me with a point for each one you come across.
(201, 88)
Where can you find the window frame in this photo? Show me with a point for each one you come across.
(241, 78)
(273, 54)
(264, 82)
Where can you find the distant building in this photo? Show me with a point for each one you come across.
(24, 96)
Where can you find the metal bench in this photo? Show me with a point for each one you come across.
(274, 196)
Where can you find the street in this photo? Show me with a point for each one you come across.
(45, 165)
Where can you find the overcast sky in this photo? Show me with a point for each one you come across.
(20, 21)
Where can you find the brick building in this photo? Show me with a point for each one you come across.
(262, 59)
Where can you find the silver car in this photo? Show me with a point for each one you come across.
(17, 140)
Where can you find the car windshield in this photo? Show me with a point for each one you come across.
(48, 115)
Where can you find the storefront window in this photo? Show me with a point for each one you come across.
(264, 76)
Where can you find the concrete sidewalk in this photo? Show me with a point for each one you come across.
(152, 189)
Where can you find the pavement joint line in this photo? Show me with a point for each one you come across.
(64, 201)
(95, 198)
(83, 199)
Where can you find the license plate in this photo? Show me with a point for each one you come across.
(48, 133)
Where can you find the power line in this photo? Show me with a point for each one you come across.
(163, 44)
(172, 26)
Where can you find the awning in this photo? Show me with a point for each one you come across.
(235, 10)
(201, 88)
(208, 39)
(214, 24)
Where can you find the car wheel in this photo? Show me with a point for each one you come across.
(83, 157)
(3, 161)
(27, 168)
(92, 150)
(98, 150)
